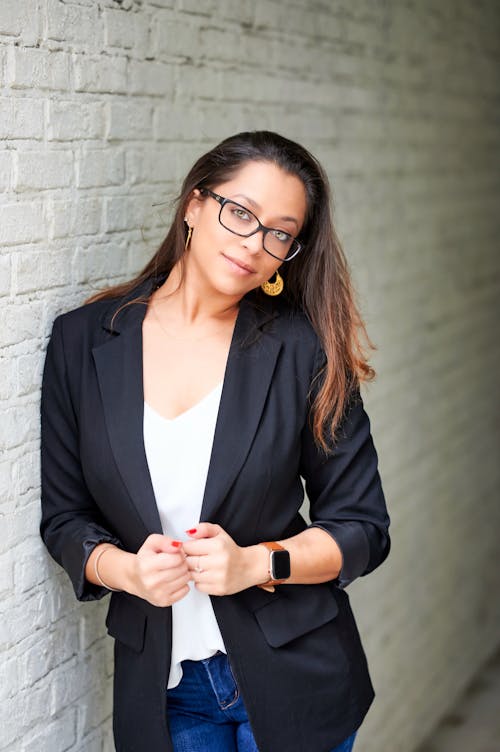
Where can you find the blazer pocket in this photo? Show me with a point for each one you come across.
(296, 611)
(125, 622)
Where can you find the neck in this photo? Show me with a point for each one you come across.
(190, 301)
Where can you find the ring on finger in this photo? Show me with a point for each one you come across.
(197, 567)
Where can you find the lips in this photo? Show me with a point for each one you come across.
(240, 264)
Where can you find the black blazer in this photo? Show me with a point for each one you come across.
(295, 653)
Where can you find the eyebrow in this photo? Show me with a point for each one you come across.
(256, 206)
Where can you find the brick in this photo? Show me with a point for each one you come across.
(38, 170)
(18, 519)
(202, 82)
(191, 6)
(26, 471)
(95, 709)
(173, 35)
(175, 122)
(37, 69)
(37, 658)
(125, 213)
(7, 379)
(21, 118)
(28, 571)
(244, 13)
(29, 373)
(20, 425)
(106, 75)
(42, 269)
(145, 166)
(75, 218)
(99, 167)
(57, 734)
(27, 716)
(96, 742)
(20, 322)
(92, 627)
(17, 19)
(236, 119)
(151, 78)
(5, 275)
(74, 24)
(130, 120)
(22, 223)
(5, 170)
(11, 714)
(126, 30)
(6, 571)
(101, 262)
(64, 690)
(72, 120)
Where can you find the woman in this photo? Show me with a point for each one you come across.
(180, 412)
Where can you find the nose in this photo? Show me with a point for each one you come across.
(254, 243)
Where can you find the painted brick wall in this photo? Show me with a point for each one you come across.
(103, 106)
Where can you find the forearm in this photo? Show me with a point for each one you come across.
(314, 557)
(115, 567)
(158, 572)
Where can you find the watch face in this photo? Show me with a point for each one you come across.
(280, 565)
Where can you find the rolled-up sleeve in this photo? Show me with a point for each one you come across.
(345, 493)
(71, 524)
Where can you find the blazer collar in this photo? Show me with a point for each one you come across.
(128, 311)
(250, 366)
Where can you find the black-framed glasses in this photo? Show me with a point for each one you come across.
(241, 221)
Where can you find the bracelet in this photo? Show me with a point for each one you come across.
(96, 571)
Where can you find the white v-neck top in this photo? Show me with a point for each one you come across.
(178, 454)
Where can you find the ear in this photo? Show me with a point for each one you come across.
(193, 207)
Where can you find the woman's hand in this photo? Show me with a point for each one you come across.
(159, 572)
(218, 566)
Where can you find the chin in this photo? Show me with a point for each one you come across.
(234, 290)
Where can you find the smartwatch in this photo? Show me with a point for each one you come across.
(279, 565)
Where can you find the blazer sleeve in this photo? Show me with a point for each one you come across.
(346, 495)
(71, 524)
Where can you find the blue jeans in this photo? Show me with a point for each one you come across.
(206, 711)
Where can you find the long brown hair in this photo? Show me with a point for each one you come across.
(318, 280)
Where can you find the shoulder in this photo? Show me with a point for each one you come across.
(301, 344)
(294, 326)
(86, 315)
(100, 316)
(285, 319)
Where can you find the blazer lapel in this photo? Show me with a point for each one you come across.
(119, 371)
(250, 366)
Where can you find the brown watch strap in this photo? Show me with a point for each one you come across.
(269, 585)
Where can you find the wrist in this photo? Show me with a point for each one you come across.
(99, 553)
(128, 571)
(279, 565)
(257, 564)
(114, 569)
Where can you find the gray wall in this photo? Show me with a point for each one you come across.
(103, 107)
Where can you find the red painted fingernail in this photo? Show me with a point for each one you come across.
(190, 532)
(176, 544)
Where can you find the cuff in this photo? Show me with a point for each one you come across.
(355, 548)
(74, 561)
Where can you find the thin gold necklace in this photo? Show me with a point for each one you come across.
(187, 339)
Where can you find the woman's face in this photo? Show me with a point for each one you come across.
(231, 264)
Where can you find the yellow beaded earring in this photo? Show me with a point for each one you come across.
(274, 288)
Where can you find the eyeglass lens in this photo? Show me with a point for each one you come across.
(242, 222)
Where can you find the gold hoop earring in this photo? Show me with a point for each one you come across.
(274, 288)
(188, 238)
